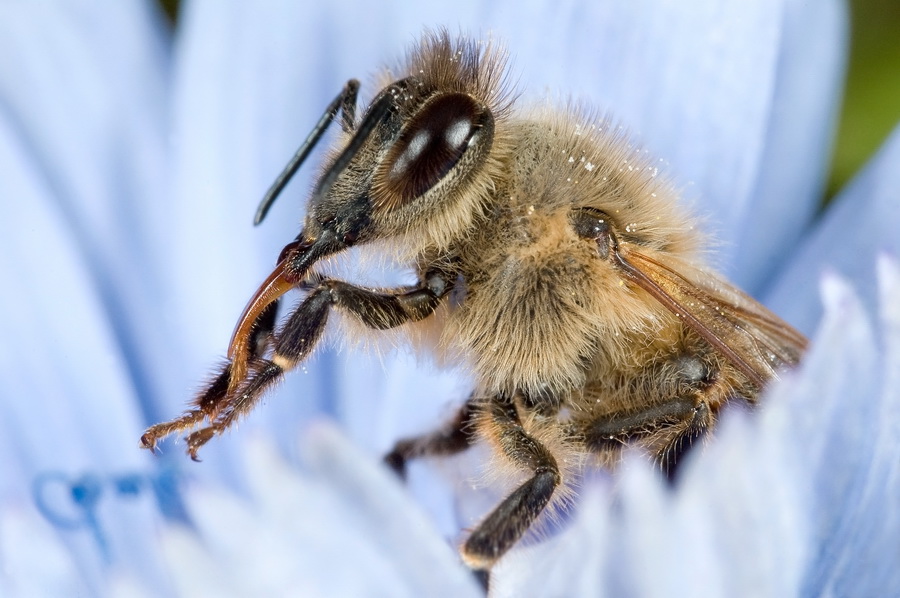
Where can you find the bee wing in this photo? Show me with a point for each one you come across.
(755, 340)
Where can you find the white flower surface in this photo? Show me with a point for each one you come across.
(131, 160)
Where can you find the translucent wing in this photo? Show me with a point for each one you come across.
(755, 340)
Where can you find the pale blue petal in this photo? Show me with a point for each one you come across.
(341, 527)
(857, 476)
(837, 395)
(374, 498)
(35, 563)
(86, 99)
(84, 345)
(882, 492)
(68, 410)
(791, 172)
(862, 223)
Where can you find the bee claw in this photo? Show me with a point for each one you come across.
(197, 440)
(148, 441)
(397, 463)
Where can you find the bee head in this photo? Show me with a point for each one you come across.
(407, 170)
(416, 170)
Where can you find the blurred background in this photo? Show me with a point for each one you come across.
(872, 94)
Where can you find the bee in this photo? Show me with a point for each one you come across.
(551, 261)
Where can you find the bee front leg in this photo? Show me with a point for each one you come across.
(213, 399)
(304, 328)
(507, 523)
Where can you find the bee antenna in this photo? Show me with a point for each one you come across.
(346, 103)
(379, 111)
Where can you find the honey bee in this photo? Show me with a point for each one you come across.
(551, 261)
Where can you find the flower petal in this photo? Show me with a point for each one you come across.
(801, 114)
(85, 100)
(80, 315)
(343, 527)
(862, 222)
(35, 561)
(854, 456)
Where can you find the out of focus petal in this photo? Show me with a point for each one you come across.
(85, 99)
(853, 454)
(863, 222)
(33, 561)
(340, 527)
(84, 341)
(801, 117)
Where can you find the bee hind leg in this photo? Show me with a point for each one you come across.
(671, 457)
(667, 430)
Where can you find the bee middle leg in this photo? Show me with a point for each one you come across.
(454, 437)
(509, 521)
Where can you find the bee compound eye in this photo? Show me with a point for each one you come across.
(431, 143)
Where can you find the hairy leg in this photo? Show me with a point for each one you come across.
(301, 333)
(455, 436)
(509, 521)
(213, 397)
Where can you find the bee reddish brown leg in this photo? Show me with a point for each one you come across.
(454, 437)
(304, 328)
(509, 521)
(209, 402)
(205, 405)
